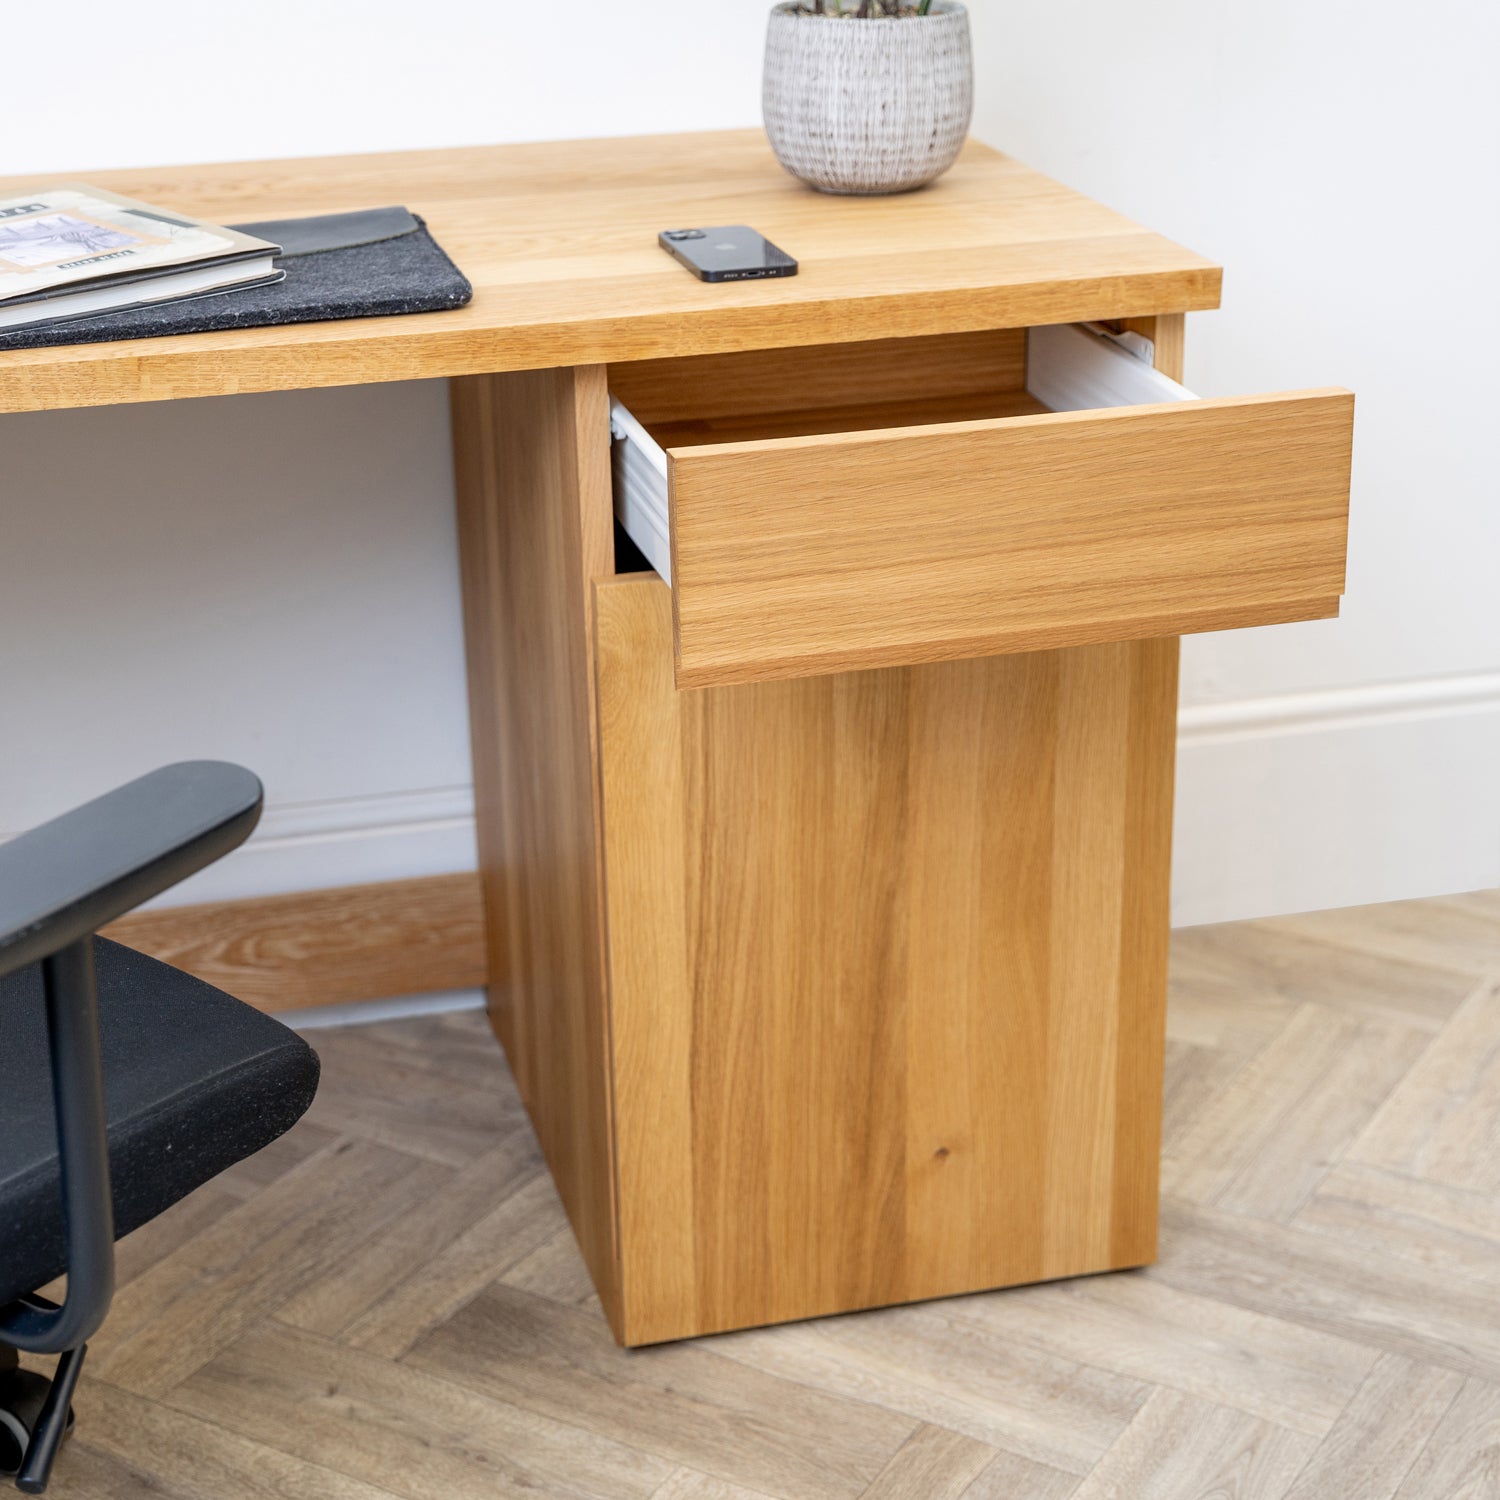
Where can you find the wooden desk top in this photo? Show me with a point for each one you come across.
(559, 240)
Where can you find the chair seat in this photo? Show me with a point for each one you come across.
(194, 1081)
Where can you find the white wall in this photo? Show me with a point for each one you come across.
(1338, 157)
(272, 578)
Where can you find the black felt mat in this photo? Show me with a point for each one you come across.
(402, 273)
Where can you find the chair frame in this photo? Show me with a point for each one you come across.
(59, 884)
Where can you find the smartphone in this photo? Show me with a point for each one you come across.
(732, 252)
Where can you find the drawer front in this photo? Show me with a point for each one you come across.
(804, 555)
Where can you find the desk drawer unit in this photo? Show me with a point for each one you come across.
(1098, 501)
(885, 783)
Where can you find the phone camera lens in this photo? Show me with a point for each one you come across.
(683, 234)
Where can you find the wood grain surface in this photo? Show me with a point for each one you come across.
(531, 464)
(821, 377)
(799, 555)
(358, 942)
(887, 957)
(908, 409)
(559, 241)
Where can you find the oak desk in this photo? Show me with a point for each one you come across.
(826, 890)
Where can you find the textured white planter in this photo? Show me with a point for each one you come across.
(868, 106)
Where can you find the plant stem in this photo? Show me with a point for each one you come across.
(924, 7)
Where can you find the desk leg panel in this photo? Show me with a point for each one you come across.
(531, 464)
(887, 959)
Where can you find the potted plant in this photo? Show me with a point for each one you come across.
(868, 96)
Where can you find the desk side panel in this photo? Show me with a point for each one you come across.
(887, 954)
(531, 458)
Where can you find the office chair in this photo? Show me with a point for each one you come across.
(124, 1084)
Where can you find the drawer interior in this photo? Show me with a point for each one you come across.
(785, 394)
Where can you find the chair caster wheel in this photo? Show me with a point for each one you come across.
(22, 1396)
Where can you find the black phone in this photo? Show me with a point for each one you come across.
(732, 252)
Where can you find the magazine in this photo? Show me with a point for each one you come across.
(64, 239)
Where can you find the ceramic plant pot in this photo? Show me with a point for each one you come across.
(868, 106)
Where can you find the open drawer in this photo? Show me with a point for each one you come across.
(1091, 499)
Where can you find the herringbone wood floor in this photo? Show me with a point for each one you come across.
(388, 1302)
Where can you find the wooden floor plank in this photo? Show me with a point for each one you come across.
(393, 1426)
(687, 1484)
(1462, 1460)
(1265, 1143)
(178, 1315)
(1354, 1293)
(509, 1233)
(435, 1052)
(1381, 1434)
(933, 1464)
(1313, 1132)
(1179, 1446)
(1194, 1078)
(1137, 1325)
(405, 1248)
(1253, 963)
(152, 1243)
(682, 1401)
(246, 1178)
(1011, 1478)
(1443, 1123)
(393, 1102)
(1449, 932)
(929, 1363)
(190, 1457)
(1448, 1230)
(1216, 999)
(90, 1473)
(555, 1270)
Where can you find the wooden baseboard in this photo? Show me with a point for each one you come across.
(355, 942)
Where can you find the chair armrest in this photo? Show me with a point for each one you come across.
(66, 879)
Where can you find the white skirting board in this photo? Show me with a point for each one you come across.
(1339, 798)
